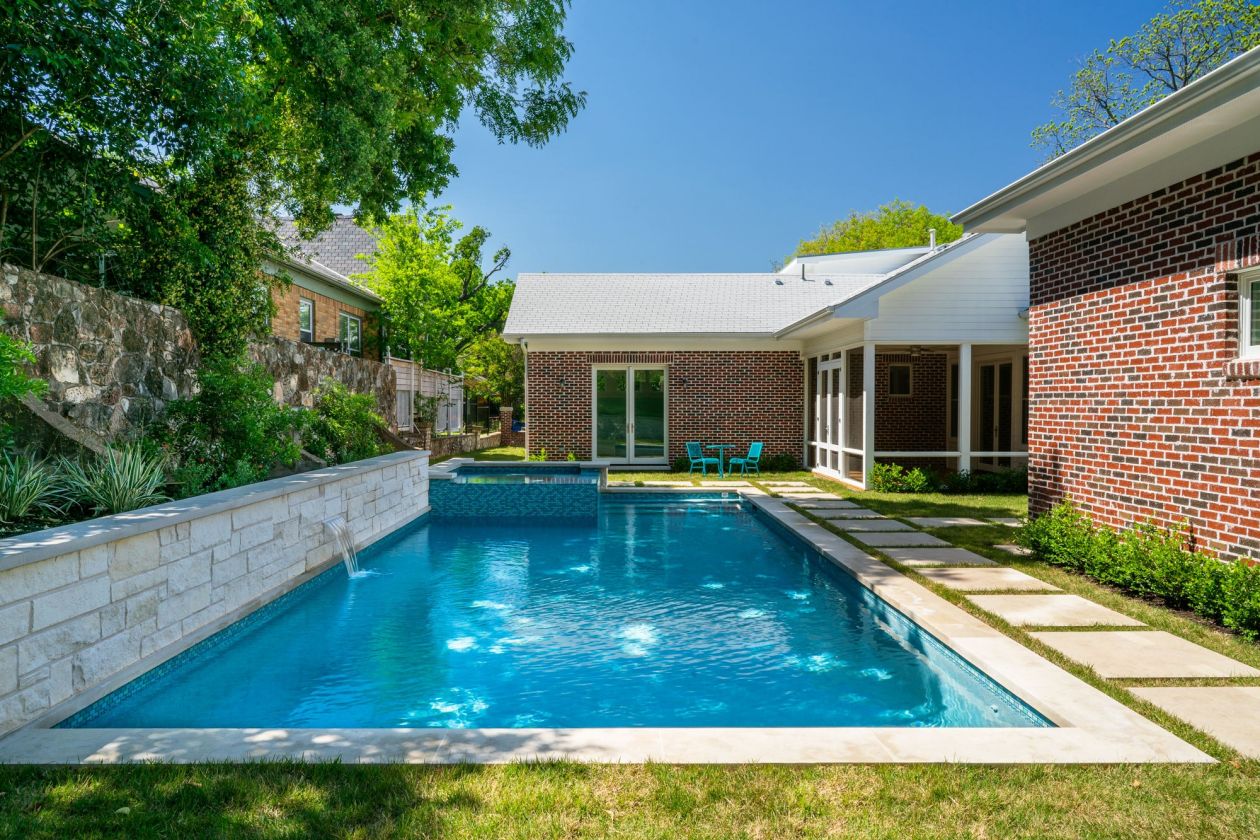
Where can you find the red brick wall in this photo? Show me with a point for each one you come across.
(917, 422)
(731, 397)
(1136, 410)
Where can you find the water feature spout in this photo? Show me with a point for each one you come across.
(345, 543)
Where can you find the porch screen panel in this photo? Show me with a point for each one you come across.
(853, 402)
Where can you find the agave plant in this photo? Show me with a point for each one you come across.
(117, 480)
(27, 486)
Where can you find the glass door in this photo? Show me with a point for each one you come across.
(612, 426)
(629, 414)
(996, 404)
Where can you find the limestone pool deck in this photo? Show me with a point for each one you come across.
(1090, 727)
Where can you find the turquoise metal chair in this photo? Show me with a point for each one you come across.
(751, 461)
(695, 453)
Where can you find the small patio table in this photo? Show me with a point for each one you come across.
(721, 448)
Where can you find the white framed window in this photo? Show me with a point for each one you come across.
(306, 320)
(350, 333)
(900, 382)
(1249, 314)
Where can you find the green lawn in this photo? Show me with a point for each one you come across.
(567, 800)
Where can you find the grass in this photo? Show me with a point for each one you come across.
(567, 800)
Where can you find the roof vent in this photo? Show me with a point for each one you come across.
(826, 282)
(778, 282)
(932, 239)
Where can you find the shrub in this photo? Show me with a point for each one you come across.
(116, 481)
(1000, 481)
(27, 486)
(1150, 561)
(344, 426)
(780, 462)
(231, 433)
(894, 478)
(540, 456)
(682, 464)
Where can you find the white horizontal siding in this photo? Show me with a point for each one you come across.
(976, 297)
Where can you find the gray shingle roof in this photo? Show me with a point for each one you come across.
(587, 304)
(337, 248)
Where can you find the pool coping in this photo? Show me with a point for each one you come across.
(1090, 727)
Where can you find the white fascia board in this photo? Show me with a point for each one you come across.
(654, 342)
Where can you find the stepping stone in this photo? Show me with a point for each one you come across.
(915, 538)
(1051, 611)
(882, 524)
(668, 484)
(816, 495)
(848, 513)
(1017, 550)
(1143, 653)
(936, 556)
(1227, 713)
(979, 579)
(944, 521)
(825, 504)
(725, 484)
(620, 483)
(1008, 521)
(787, 484)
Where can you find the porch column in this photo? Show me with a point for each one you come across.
(839, 408)
(868, 410)
(964, 407)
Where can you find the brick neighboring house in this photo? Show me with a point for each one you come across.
(836, 361)
(1145, 316)
(324, 305)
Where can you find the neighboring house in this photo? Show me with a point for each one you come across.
(1145, 318)
(836, 361)
(323, 305)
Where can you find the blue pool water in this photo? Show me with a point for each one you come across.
(662, 612)
(525, 475)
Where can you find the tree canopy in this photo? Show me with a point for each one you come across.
(1168, 52)
(495, 370)
(897, 224)
(118, 116)
(438, 298)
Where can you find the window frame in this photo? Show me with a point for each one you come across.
(309, 336)
(1248, 293)
(343, 320)
(909, 392)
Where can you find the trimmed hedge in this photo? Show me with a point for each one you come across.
(1150, 561)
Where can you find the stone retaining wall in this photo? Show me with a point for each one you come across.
(113, 362)
(85, 607)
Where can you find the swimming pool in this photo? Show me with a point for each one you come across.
(662, 612)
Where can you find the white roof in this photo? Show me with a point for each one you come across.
(671, 304)
(854, 262)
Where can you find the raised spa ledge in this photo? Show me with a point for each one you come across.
(52, 542)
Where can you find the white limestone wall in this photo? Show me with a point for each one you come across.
(82, 605)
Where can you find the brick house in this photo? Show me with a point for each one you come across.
(836, 361)
(1145, 314)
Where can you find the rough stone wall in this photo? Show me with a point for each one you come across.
(81, 603)
(299, 368)
(111, 362)
(1139, 406)
(733, 397)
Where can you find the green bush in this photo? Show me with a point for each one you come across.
(1000, 481)
(344, 426)
(681, 464)
(116, 481)
(780, 462)
(894, 478)
(231, 433)
(1150, 561)
(27, 487)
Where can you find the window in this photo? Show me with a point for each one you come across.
(899, 380)
(350, 333)
(1249, 312)
(306, 320)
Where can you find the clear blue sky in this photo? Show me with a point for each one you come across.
(718, 133)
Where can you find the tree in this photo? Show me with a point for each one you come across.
(495, 370)
(107, 105)
(438, 300)
(897, 224)
(1167, 53)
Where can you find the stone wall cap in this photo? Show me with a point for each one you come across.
(51, 542)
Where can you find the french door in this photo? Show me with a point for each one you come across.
(629, 411)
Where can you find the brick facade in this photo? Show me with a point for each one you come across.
(285, 322)
(732, 397)
(1139, 409)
